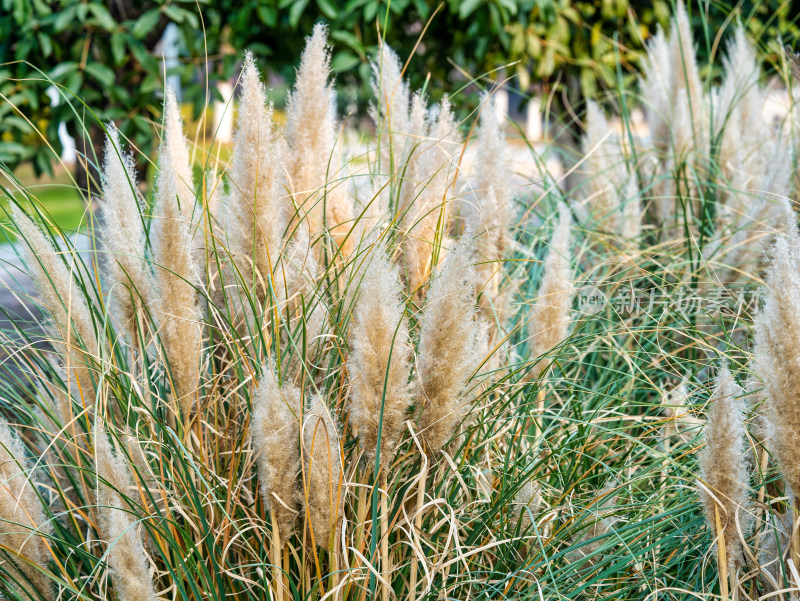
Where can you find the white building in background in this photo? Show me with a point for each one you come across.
(68, 148)
(168, 46)
(533, 119)
(223, 113)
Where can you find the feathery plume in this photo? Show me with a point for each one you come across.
(59, 292)
(391, 111)
(737, 113)
(23, 525)
(684, 72)
(549, 320)
(275, 429)
(256, 209)
(738, 253)
(682, 421)
(655, 90)
(495, 211)
(339, 206)
(429, 206)
(379, 363)
(777, 360)
(445, 366)
(175, 146)
(414, 157)
(130, 573)
(322, 494)
(489, 211)
(612, 189)
(723, 467)
(310, 127)
(123, 233)
(175, 272)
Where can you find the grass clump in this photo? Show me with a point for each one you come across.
(309, 375)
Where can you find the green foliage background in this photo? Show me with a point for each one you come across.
(104, 56)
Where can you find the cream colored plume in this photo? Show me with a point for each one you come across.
(686, 77)
(175, 146)
(414, 163)
(311, 129)
(380, 362)
(725, 478)
(777, 353)
(275, 429)
(451, 346)
(428, 208)
(737, 114)
(489, 210)
(736, 250)
(130, 571)
(175, 308)
(256, 199)
(23, 524)
(655, 89)
(72, 322)
(677, 115)
(322, 494)
(549, 319)
(123, 235)
(390, 110)
(611, 189)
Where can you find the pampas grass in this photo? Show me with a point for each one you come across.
(126, 556)
(256, 201)
(24, 528)
(444, 368)
(276, 436)
(176, 273)
(724, 471)
(358, 349)
(379, 366)
(322, 490)
(123, 235)
(550, 317)
(311, 130)
(776, 335)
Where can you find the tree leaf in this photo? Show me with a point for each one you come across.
(101, 73)
(118, 48)
(103, 17)
(146, 23)
(467, 7)
(296, 11)
(344, 61)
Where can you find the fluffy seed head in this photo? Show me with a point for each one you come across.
(22, 519)
(322, 494)
(175, 308)
(379, 364)
(550, 317)
(450, 347)
(777, 353)
(127, 559)
(723, 466)
(275, 428)
(427, 211)
(72, 321)
(311, 127)
(123, 233)
(175, 146)
(490, 211)
(255, 201)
